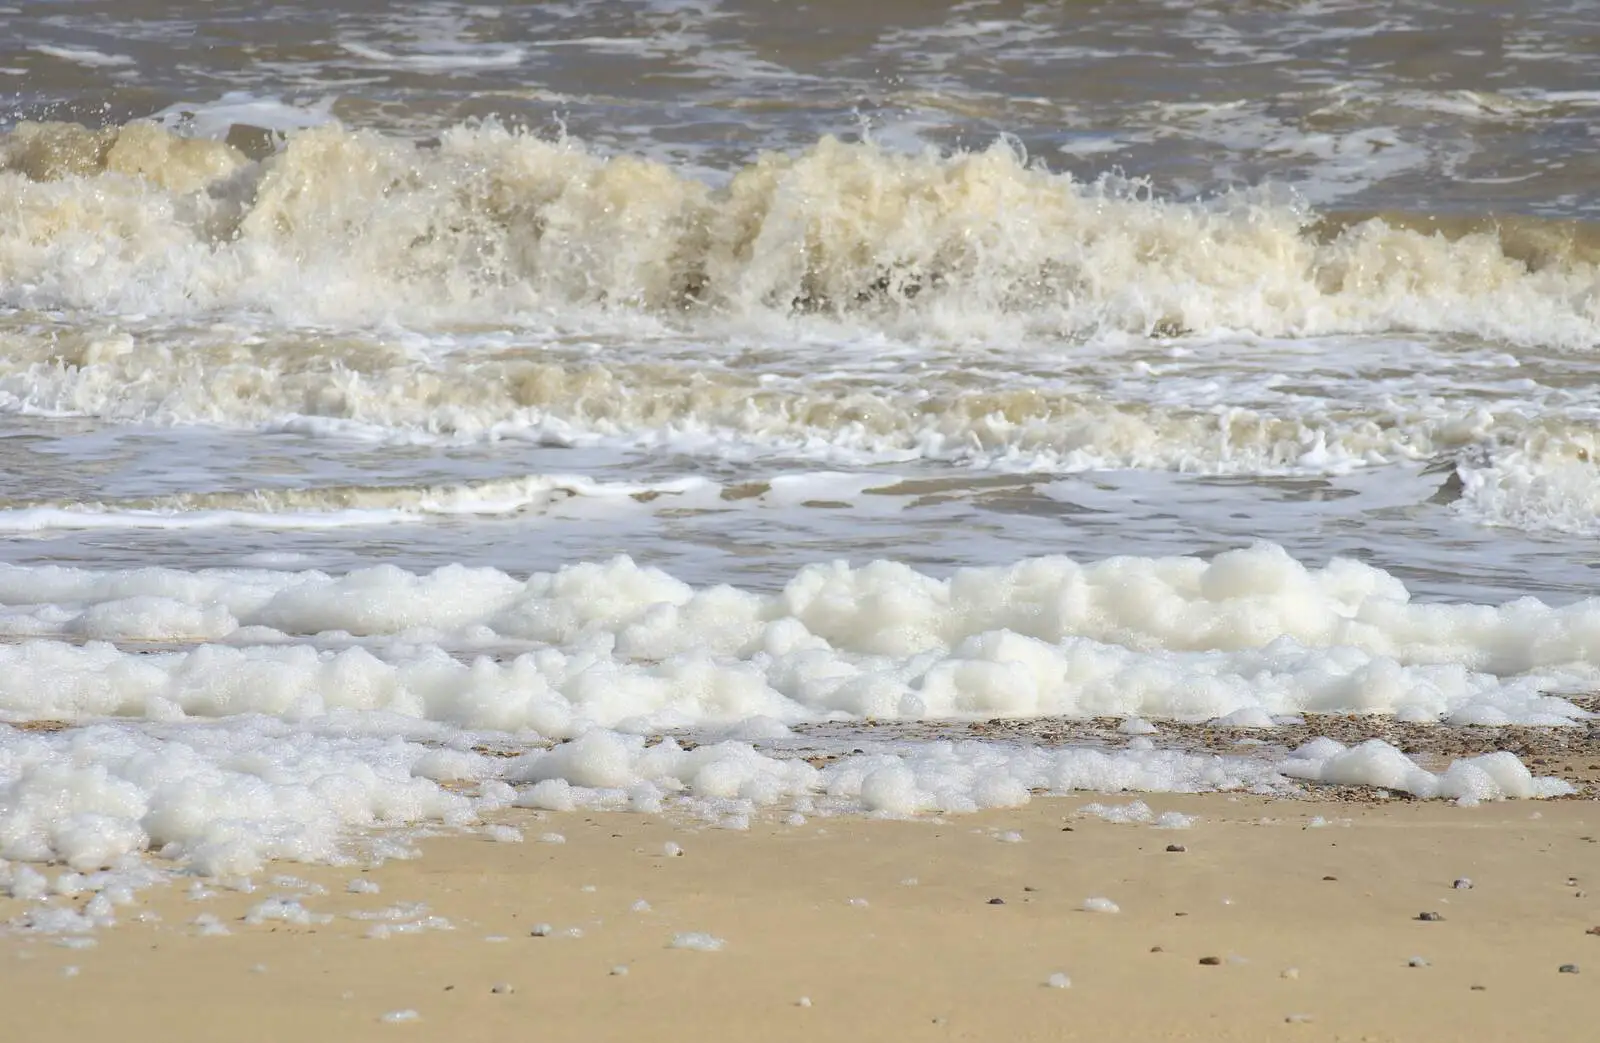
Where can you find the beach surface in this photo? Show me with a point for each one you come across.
(850, 928)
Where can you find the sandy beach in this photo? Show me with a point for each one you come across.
(862, 929)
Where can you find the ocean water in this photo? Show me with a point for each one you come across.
(408, 410)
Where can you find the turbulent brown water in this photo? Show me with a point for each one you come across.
(1193, 273)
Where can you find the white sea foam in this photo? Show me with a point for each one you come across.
(314, 509)
(82, 55)
(1251, 632)
(348, 712)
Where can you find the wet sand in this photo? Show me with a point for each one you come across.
(1310, 908)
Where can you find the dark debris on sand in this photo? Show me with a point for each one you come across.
(1572, 753)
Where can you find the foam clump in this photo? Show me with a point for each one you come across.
(1492, 776)
(209, 926)
(93, 796)
(284, 910)
(502, 834)
(698, 941)
(1134, 812)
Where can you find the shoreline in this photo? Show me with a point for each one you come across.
(1310, 907)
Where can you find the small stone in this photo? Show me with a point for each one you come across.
(1210, 961)
(1417, 961)
(1030, 889)
(1297, 1019)
(1567, 968)
(997, 901)
(1330, 878)
(1290, 973)
(1157, 948)
(1593, 930)
(502, 988)
(1480, 988)
(1462, 884)
(803, 1001)
(1176, 849)
(541, 930)
(620, 971)
(1430, 917)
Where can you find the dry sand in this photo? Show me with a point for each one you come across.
(827, 910)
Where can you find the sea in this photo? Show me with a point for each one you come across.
(413, 410)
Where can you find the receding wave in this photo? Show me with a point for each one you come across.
(338, 506)
(343, 226)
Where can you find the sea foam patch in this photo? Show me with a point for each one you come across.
(214, 720)
(223, 799)
(1248, 636)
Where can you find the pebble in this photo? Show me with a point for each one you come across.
(1157, 948)
(620, 971)
(1480, 988)
(1330, 878)
(1462, 884)
(803, 1001)
(541, 930)
(1430, 917)
(997, 901)
(1210, 961)
(1297, 1019)
(1567, 968)
(1290, 973)
(1593, 930)
(502, 988)
(1058, 981)
(1417, 961)
(1176, 848)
